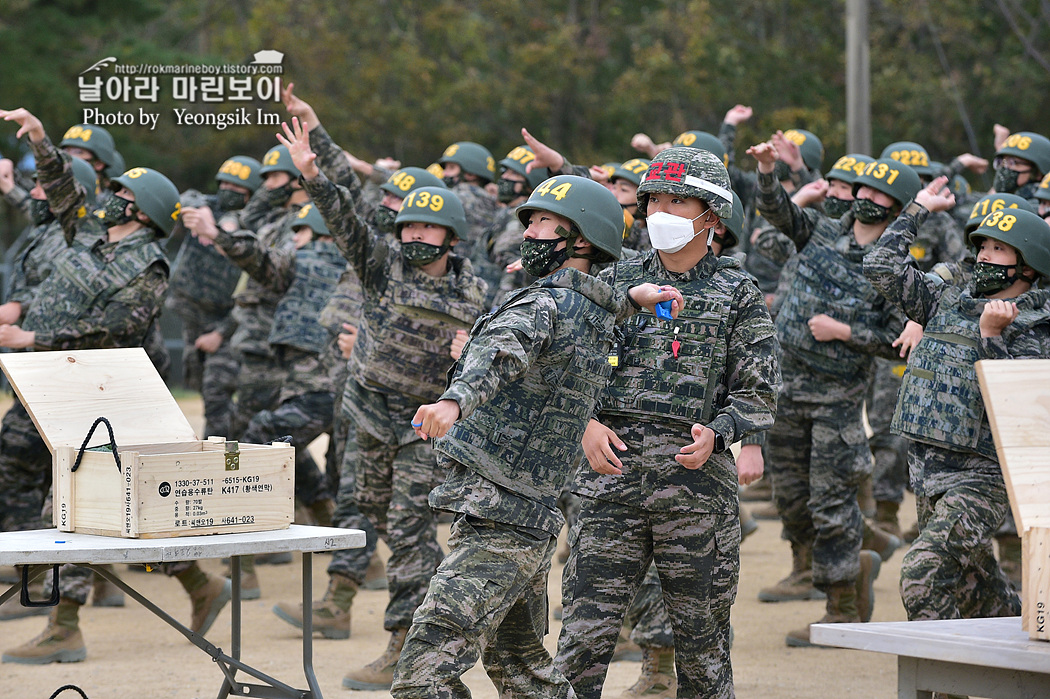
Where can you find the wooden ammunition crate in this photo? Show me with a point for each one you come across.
(169, 482)
(1017, 398)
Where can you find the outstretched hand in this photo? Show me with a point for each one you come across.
(297, 140)
(28, 124)
(936, 196)
(545, 155)
(766, 155)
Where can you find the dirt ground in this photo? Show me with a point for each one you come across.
(132, 654)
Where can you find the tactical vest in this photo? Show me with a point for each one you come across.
(204, 277)
(82, 280)
(831, 282)
(295, 322)
(527, 437)
(407, 329)
(650, 379)
(940, 399)
(254, 303)
(344, 305)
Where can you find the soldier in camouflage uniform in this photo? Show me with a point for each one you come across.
(208, 361)
(661, 483)
(468, 167)
(104, 290)
(417, 294)
(95, 146)
(831, 325)
(623, 183)
(1020, 164)
(950, 571)
(507, 438)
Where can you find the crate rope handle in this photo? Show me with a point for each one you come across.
(63, 688)
(112, 443)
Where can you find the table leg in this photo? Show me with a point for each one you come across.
(308, 625)
(908, 680)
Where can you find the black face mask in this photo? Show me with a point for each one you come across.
(869, 212)
(1005, 180)
(40, 212)
(116, 212)
(507, 190)
(229, 200)
(384, 218)
(837, 208)
(988, 278)
(280, 196)
(419, 254)
(450, 181)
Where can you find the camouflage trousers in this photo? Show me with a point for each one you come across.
(393, 483)
(698, 558)
(25, 471)
(647, 616)
(214, 376)
(258, 387)
(304, 418)
(950, 571)
(353, 563)
(488, 599)
(890, 451)
(818, 454)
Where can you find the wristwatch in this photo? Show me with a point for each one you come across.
(720, 442)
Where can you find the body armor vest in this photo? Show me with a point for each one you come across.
(82, 279)
(527, 437)
(318, 265)
(344, 305)
(255, 304)
(940, 399)
(407, 330)
(651, 380)
(203, 278)
(831, 282)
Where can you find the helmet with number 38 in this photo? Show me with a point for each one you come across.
(691, 173)
(892, 178)
(437, 205)
(1033, 147)
(990, 203)
(592, 208)
(1022, 230)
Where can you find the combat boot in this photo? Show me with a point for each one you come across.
(766, 511)
(1010, 557)
(658, 678)
(841, 609)
(60, 642)
(249, 580)
(378, 675)
(626, 649)
(886, 517)
(798, 585)
(870, 564)
(748, 525)
(877, 540)
(208, 595)
(104, 593)
(375, 576)
(759, 491)
(331, 614)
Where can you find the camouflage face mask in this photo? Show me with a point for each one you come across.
(40, 212)
(541, 257)
(869, 212)
(419, 254)
(116, 212)
(1005, 180)
(507, 190)
(988, 278)
(384, 218)
(837, 208)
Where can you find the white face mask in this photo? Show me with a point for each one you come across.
(670, 233)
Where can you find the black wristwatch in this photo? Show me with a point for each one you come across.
(720, 442)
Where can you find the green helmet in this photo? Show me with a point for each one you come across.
(408, 179)
(849, 167)
(809, 147)
(959, 185)
(438, 205)
(471, 157)
(310, 217)
(93, 138)
(1022, 230)
(517, 161)
(631, 170)
(689, 172)
(278, 159)
(733, 225)
(1043, 192)
(155, 196)
(117, 167)
(241, 171)
(609, 168)
(912, 155)
(85, 175)
(991, 203)
(890, 177)
(1033, 147)
(703, 140)
(593, 210)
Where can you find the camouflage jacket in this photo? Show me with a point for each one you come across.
(527, 384)
(481, 209)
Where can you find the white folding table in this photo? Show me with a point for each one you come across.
(977, 657)
(41, 549)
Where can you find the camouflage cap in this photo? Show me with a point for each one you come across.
(310, 217)
(1022, 230)
(691, 173)
(703, 140)
(993, 202)
(849, 167)
(92, 138)
(403, 181)
(242, 171)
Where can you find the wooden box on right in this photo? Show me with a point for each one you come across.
(1017, 398)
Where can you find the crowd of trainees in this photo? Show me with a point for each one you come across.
(791, 293)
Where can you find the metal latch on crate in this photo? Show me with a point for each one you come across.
(233, 456)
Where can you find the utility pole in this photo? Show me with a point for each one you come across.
(858, 78)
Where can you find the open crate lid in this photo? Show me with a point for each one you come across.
(65, 391)
(1017, 400)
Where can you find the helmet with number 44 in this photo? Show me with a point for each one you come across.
(593, 210)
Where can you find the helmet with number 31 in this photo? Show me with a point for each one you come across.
(593, 210)
(691, 173)
(892, 178)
